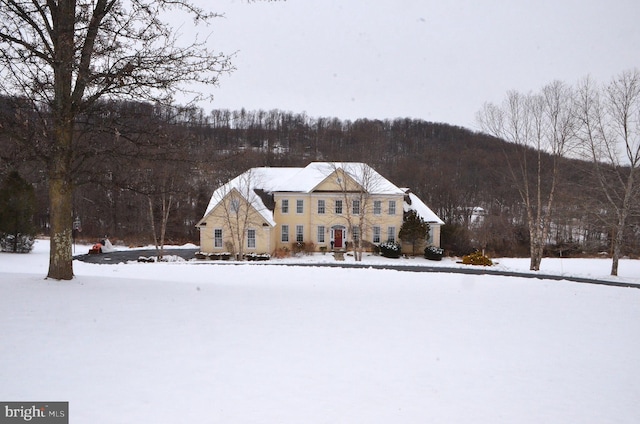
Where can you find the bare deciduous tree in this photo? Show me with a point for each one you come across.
(542, 127)
(357, 183)
(65, 55)
(610, 133)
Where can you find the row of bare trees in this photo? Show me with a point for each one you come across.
(136, 154)
(598, 123)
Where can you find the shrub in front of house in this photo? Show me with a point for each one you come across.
(390, 249)
(477, 258)
(282, 252)
(258, 256)
(309, 248)
(433, 253)
(301, 247)
(298, 247)
(224, 256)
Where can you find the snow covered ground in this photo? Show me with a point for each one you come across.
(175, 342)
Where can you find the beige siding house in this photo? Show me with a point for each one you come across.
(323, 206)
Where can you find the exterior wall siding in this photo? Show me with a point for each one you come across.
(218, 219)
(311, 219)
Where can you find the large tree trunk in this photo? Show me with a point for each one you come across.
(60, 181)
(60, 210)
(536, 256)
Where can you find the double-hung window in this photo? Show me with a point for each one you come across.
(285, 234)
(392, 207)
(251, 238)
(217, 238)
(376, 234)
(300, 233)
(355, 233)
(320, 233)
(355, 207)
(338, 207)
(321, 207)
(284, 206)
(391, 234)
(299, 206)
(377, 207)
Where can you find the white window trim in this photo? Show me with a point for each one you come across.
(392, 202)
(300, 232)
(215, 245)
(391, 233)
(353, 206)
(377, 207)
(320, 234)
(377, 229)
(255, 238)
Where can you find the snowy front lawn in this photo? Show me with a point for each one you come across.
(174, 342)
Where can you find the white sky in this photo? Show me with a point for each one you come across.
(425, 59)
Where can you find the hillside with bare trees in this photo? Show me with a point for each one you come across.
(146, 172)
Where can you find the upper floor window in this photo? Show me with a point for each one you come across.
(356, 207)
(338, 206)
(299, 206)
(392, 207)
(321, 207)
(235, 205)
(377, 207)
(284, 206)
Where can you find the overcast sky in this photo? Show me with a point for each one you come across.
(426, 59)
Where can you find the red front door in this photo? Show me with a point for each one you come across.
(337, 239)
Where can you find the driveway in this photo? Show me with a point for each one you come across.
(133, 255)
(120, 256)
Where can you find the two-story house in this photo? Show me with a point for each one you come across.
(324, 205)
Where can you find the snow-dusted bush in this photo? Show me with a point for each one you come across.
(476, 258)
(433, 253)
(258, 256)
(390, 249)
(23, 243)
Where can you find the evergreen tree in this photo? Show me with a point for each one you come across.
(17, 206)
(414, 230)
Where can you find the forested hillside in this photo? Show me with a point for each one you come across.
(139, 160)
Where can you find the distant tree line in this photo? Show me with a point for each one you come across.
(145, 173)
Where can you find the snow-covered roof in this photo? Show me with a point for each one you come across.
(246, 183)
(313, 174)
(421, 209)
(305, 180)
